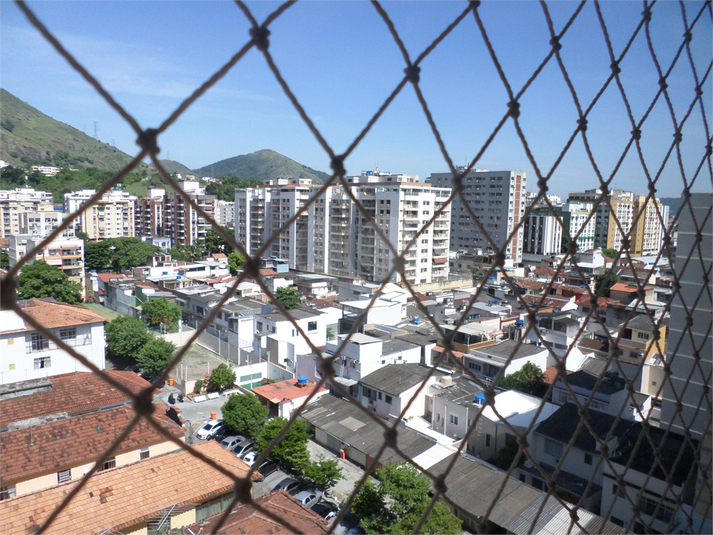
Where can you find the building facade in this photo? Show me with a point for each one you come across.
(497, 198)
(110, 217)
(542, 234)
(26, 211)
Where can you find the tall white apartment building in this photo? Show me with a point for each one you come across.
(334, 237)
(225, 213)
(26, 211)
(575, 218)
(497, 198)
(111, 217)
(542, 234)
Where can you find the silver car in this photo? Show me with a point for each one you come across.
(308, 498)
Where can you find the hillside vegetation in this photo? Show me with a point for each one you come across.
(29, 137)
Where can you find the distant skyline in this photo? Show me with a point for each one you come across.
(341, 62)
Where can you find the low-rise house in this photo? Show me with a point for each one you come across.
(382, 312)
(248, 520)
(283, 397)
(28, 354)
(487, 362)
(580, 472)
(610, 395)
(626, 293)
(175, 488)
(469, 335)
(388, 390)
(282, 341)
(453, 403)
(557, 330)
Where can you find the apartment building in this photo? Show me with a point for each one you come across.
(65, 253)
(225, 213)
(26, 211)
(542, 234)
(642, 221)
(148, 213)
(497, 198)
(112, 216)
(181, 221)
(334, 236)
(575, 218)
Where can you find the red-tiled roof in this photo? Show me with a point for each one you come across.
(325, 302)
(247, 520)
(218, 256)
(622, 287)
(530, 284)
(285, 390)
(439, 349)
(267, 272)
(551, 375)
(71, 392)
(51, 314)
(440, 260)
(106, 277)
(545, 272)
(27, 452)
(126, 496)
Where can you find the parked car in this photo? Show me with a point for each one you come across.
(308, 498)
(231, 441)
(288, 484)
(267, 468)
(209, 429)
(133, 368)
(250, 458)
(243, 447)
(327, 510)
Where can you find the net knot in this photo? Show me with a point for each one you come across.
(439, 485)
(458, 184)
(542, 185)
(390, 437)
(260, 36)
(582, 124)
(514, 109)
(555, 42)
(148, 141)
(399, 264)
(652, 188)
(636, 133)
(615, 69)
(662, 83)
(337, 165)
(251, 267)
(474, 4)
(709, 150)
(624, 243)
(326, 367)
(646, 14)
(699, 91)
(572, 247)
(573, 515)
(499, 259)
(687, 37)
(143, 403)
(678, 136)
(244, 490)
(8, 293)
(413, 73)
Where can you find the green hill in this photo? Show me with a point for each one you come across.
(29, 137)
(262, 165)
(176, 167)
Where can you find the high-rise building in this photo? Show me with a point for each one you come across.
(644, 221)
(148, 214)
(225, 213)
(497, 198)
(26, 211)
(112, 216)
(542, 234)
(333, 235)
(575, 218)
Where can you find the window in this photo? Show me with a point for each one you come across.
(312, 326)
(617, 521)
(67, 334)
(642, 336)
(388, 399)
(42, 362)
(145, 453)
(152, 528)
(523, 478)
(587, 458)
(39, 342)
(438, 417)
(64, 476)
(454, 419)
(538, 483)
(109, 463)
(379, 396)
(553, 448)
(648, 506)
(7, 492)
(487, 441)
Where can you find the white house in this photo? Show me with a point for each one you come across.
(487, 361)
(279, 338)
(28, 354)
(382, 311)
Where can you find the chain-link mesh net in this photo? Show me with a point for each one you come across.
(692, 454)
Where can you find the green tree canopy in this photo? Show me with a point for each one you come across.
(530, 379)
(221, 377)
(186, 253)
(130, 252)
(288, 297)
(291, 451)
(604, 283)
(4, 259)
(507, 454)
(323, 474)
(97, 254)
(159, 311)
(244, 414)
(235, 260)
(407, 490)
(214, 243)
(126, 336)
(155, 355)
(610, 253)
(39, 279)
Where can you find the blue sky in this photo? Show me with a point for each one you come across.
(342, 63)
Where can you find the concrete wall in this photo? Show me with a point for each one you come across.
(465, 282)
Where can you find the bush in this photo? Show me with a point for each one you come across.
(198, 386)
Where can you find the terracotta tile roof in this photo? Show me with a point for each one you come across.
(551, 375)
(285, 390)
(106, 277)
(530, 284)
(590, 343)
(569, 288)
(52, 314)
(587, 300)
(27, 452)
(545, 272)
(218, 256)
(71, 392)
(126, 496)
(325, 302)
(622, 287)
(267, 272)
(550, 300)
(439, 349)
(246, 520)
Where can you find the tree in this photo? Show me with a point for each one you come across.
(39, 279)
(214, 242)
(610, 253)
(155, 356)
(529, 380)
(440, 520)
(244, 414)
(407, 490)
(288, 297)
(4, 259)
(324, 473)
(126, 336)
(604, 283)
(186, 253)
(507, 454)
(97, 255)
(291, 451)
(330, 333)
(160, 311)
(221, 377)
(130, 252)
(235, 260)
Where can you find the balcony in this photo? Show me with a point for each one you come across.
(36, 346)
